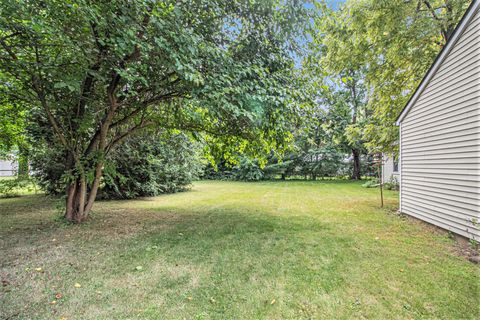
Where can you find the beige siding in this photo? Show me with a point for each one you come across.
(440, 142)
(388, 172)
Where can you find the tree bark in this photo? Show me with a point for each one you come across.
(356, 174)
(80, 196)
(75, 202)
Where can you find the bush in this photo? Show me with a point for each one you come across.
(372, 183)
(145, 165)
(149, 165)
(220, 172)
(392, 184)
(15, 186)
(247, 170)
(48, 167)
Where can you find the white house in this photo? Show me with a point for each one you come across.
(440, 136)
(390, 169)
(8, 168)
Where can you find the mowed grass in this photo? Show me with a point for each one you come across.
(231, 250)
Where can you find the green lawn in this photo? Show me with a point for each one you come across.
(226, 250)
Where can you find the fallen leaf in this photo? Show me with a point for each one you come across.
(273, 301)
(78, 285)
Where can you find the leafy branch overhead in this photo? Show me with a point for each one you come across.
(94, 72)
(389, 45)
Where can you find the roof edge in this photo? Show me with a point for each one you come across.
(461, 26)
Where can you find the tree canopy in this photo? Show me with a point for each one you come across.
(390, 45)
(255, 78)
(94, 72)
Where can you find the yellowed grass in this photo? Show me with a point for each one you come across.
(225, 250)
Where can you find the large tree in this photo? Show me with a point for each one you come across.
(94, 72)
(390, 45)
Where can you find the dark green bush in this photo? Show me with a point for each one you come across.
(220, 172)
(247, 170)
(149, 165)
(144, 165)
(48, 166)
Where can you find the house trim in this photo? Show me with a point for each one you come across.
(400, 169)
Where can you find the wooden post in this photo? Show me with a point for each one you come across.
(379, 162)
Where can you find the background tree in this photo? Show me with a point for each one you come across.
(95, 72)
(345, 101)
(388, 44)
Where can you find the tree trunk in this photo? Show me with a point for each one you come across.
(356, 174)
(75, 202)
(80, 197)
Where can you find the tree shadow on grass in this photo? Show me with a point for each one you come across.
(228, 253)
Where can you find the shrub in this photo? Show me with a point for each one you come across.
(149, 165)
(392, 184)
(145, 165)
(220, 172)
(372, 183)
(48, 167)
(13, 187)
(247, 170)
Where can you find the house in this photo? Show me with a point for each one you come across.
(440, 136)
(389, 169)
(8, 168)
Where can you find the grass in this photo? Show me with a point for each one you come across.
(226, 250)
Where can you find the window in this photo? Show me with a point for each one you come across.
(395, 165)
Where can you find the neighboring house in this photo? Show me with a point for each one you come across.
(389, 169)
(440, 136)
(8, 168)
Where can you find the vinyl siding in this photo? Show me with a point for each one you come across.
(440, 142)
(387, 169)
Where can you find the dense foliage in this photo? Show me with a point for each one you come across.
(148, 165)
(93, 73)
(388, 46)
(80, 79)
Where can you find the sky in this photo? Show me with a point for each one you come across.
(333, 3)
